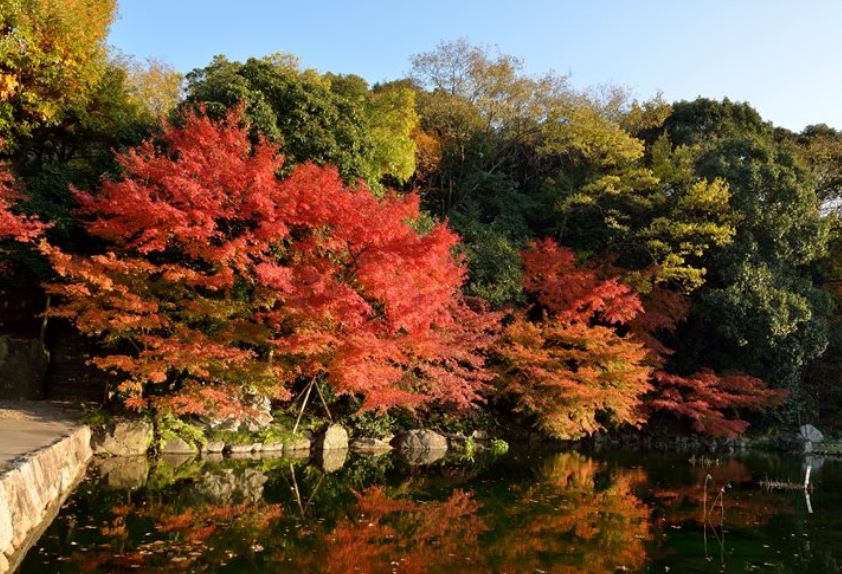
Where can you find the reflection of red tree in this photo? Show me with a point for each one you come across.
(566, 523)
(195, 537)
(421, 537)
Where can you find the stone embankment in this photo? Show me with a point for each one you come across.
(33, 487)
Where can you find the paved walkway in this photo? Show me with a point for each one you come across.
(29, 425)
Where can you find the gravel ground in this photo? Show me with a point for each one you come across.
(29, 425)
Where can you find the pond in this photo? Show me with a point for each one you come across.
(523, 512)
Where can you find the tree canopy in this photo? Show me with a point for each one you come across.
(468, 234)
(323, 118)
(52, 56)
(221, 276)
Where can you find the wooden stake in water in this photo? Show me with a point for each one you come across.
(807, 489)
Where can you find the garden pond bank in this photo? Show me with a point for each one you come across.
(524, 511)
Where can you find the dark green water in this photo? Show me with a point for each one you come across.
(520, 513)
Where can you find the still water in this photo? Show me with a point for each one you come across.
(523, 512)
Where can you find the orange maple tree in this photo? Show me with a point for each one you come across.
(565, 360)
(218, 274)
(588, 354)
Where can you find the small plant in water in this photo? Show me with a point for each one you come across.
(499, 447)
(470, 449)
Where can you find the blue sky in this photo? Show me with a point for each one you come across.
(785, 58)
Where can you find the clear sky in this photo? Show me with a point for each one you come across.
(784, 57)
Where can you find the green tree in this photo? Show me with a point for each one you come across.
(648, 209)
(79, 152)
(761, 310)
(52, 56)
(392, 121)
(153, 86)
(327, 119)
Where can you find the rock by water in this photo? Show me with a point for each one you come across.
(123, 437)
(810, 433)
(335, 437)
(178, 446)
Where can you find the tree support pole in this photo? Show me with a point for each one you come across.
(303, 406)
(324, 402)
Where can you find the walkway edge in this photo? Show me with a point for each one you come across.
(34, 487)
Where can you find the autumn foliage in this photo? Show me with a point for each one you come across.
(426, 536)
(14, 226)
(572, 293)
(218, 275)
(571, 367)
(703, 397)
(587, 355)
(593, 521)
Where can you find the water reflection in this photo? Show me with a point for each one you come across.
(577, 516)
(558, 513)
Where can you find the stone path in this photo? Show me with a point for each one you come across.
(29, 425)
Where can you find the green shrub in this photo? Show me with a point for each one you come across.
(169, 427)
(94, 416)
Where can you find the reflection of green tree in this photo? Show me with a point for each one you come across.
(195, 516)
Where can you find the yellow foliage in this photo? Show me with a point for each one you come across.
(51, 57)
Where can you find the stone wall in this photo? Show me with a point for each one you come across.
(33, 488)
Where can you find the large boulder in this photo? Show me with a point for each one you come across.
(23, 368)
(213, 447)
(273, 447)
(260, 415)
(335, 437)
(810, 433)
(420, 440)
(123, 437)
(241, 448)
(297, 447)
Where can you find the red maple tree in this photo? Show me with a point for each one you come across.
(219, 275)
(710, 402)
(13, 225)
(704, 399)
